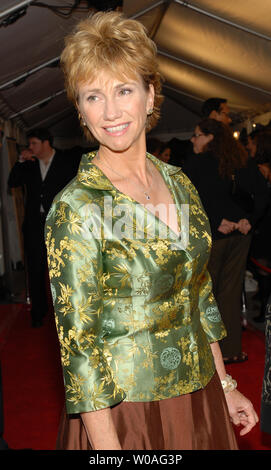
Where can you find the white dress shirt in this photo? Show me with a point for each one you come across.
(44, 168)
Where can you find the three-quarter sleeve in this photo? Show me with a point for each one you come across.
(75, 271)
(209, 314)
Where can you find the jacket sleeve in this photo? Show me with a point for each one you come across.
(75, 270)
(209, 314)
(18, 175)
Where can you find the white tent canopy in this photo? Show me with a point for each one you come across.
(206, 48)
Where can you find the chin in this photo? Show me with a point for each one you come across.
(115, 147)
(120, 146)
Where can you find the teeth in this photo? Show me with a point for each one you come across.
(116, 128)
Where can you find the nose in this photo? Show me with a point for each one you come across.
(112, 109)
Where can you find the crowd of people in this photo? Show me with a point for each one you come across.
(146, 325)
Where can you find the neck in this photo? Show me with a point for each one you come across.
(131, 162)
(46, 156)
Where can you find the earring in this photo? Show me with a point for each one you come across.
(81, 119)
(150, 111)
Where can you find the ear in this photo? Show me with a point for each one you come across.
(210, 137)
(150, 98)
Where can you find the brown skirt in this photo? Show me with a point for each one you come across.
(195, 421)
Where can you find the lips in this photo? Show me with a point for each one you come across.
(119, 129)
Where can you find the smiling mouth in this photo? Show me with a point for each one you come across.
(115, 129)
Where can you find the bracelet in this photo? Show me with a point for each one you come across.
(228, 384)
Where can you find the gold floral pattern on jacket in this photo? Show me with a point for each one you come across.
(135, 315)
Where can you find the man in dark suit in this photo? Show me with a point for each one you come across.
(43, 171)
(218, 109)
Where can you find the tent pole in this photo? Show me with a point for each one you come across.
(29, 72)
(57, 117)
(223, 20)
(220, 75)
(15, 7)
(37, 104)
(180, 92)
(146, 10)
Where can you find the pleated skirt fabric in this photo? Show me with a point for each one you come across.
(195, 421)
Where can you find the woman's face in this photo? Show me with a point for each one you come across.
(200, 140)
(265, 171)
(251, 146)
(115, 110)
(165, 155)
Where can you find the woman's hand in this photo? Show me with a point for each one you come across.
(240, 408)
(241, 411)
(226, 226)
(243, 226)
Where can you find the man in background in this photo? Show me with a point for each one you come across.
(43, 171)
(224, 261)
(218, 109)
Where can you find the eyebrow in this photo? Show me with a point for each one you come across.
(98, 90)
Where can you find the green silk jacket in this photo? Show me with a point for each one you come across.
(134, 308)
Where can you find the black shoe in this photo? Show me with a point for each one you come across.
(3, 444)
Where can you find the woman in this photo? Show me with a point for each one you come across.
(153, 146)
(137, 322)
(165, 152)
(233, 193)
(258, 143)
(251, 144)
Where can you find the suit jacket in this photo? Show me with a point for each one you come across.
(216, 192)
(133, 300)
(62, 169)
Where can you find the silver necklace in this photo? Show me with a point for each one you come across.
(146, 194)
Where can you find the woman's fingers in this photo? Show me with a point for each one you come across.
(248, 419)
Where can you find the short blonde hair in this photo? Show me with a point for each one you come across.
(109, 41)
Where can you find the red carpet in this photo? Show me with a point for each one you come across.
(32, 385)
(249, 376)
(33, 389)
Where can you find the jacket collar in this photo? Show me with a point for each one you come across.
(90, 175)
